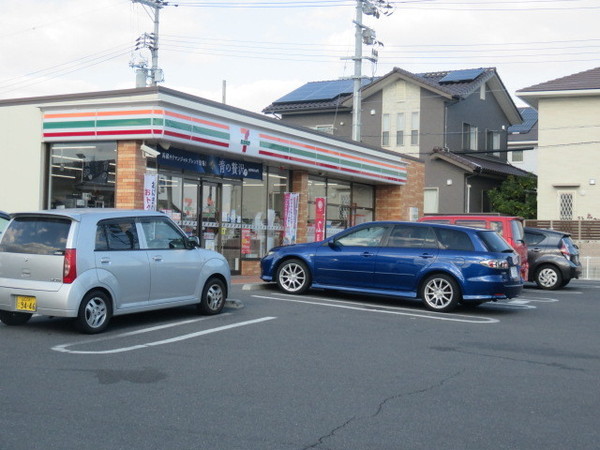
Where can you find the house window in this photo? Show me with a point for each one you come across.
(493, 142)
(431, 200)
(325, 128)
(414, 129)
(469, 137)
(385, 130)
(565, 205)
(517, 156)
(400, 129)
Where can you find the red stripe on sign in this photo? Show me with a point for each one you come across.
(123, 132)
(209, 141)
(70, 133)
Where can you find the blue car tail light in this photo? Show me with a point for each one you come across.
(495, 263)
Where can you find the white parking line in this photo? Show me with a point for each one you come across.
(65, 347)
(386, 310)
(540, 300)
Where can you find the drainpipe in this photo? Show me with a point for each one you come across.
(467, 207)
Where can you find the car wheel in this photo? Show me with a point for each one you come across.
(548, 277)
(14, 318)
(440, 293)
(94, 312)
(213, 297)
(293, 277)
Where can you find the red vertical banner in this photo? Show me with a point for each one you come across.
(319, 219)
(246, 241)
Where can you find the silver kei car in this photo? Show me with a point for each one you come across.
(92, 264)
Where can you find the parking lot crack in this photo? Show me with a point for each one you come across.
(381, 407)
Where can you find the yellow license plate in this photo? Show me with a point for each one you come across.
(26, 303)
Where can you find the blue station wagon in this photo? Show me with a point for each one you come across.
(444, 265)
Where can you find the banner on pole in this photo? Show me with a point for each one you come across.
(290, 217)
(150, 189)
(319, 219)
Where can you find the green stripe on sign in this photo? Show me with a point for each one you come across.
(269, 145)
(124, 122)
(178, 125)
(78, 124)
(210, 132)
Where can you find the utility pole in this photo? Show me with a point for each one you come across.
(150, 41)
(356, 97)
(364, 35)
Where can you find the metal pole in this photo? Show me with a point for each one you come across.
(356, 102)
(154, 50)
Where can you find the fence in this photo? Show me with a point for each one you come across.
(581, 230)
(590, 268)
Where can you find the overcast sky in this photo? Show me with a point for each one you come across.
(266, 48)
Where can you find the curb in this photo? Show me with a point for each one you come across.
(252, 286)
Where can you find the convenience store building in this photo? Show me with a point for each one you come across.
(223, 173)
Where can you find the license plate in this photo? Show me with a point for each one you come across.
(514, 273)
(26, 303)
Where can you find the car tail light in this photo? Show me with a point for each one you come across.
(70, 266)
(495, 263)
(564, 249)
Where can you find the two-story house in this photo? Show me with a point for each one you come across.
(456, 121)
(523, 141)
(569, 145)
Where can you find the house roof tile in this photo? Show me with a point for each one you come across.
(480, 165)
(589, 79)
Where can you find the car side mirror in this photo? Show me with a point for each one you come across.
(193, 241)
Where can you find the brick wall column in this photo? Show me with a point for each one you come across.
(131, 167)
(300, 185)
(393, 202)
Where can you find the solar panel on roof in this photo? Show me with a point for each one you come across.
(458, 76)
(320, 90)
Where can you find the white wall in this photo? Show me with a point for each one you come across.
(569, 155)
(401, 97)
(22, 161)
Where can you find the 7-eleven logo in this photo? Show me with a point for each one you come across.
(245, 139)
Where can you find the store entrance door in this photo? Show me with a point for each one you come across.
(221, 220)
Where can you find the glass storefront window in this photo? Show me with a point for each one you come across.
(277, 187)
(254, 210)
(362, 203)
(169, 198)
(82, 175)
(347, 203)
(338, 207)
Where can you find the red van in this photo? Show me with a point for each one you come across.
(509, 227)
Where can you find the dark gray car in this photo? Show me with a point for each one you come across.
(553, 258)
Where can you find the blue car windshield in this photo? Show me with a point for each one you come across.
(494, 242)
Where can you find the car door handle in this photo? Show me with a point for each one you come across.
(426, 255)
(367, 254)
(157, 258)
(104, 260)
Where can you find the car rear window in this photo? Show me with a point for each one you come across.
(494, 242)
(35, 235)
(518, 231)
(454, 239)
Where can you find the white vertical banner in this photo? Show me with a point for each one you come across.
(291, 201)
(150, 190)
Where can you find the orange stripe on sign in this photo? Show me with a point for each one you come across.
(195, 119)
(101, 113)
(332, 152)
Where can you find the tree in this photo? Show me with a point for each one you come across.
(516, 196)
